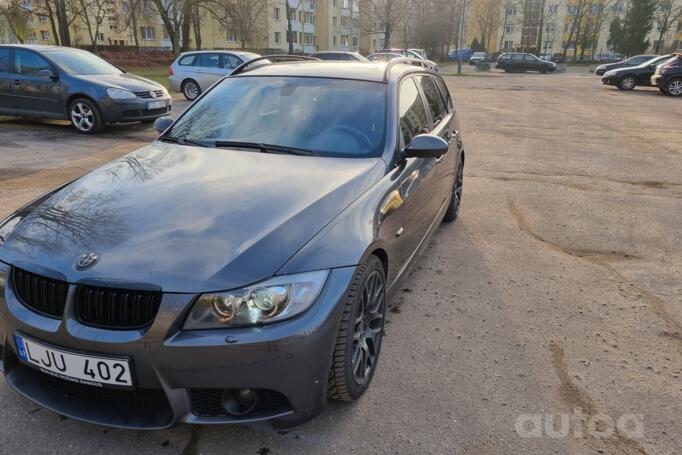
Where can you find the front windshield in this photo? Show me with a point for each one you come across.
(329, 117)
(82, 63)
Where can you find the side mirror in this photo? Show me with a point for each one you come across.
(426, 146)
(161, 124)
(47, 74)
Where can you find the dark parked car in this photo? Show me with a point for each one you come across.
(557, 58)
(339, 56)
(519, 62)
(65, 83)
(631, 76)
(668, 76)
(238, 269)
(632, 61)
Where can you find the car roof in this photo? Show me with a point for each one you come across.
(42, 47)
(334, 52)
(365, 71)
(223, 51)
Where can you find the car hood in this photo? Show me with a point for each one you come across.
(187, 219)
(125, 81)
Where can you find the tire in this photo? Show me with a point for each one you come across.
(85, 116)
(544, 71)
(627, 82)
(674, 87)
(191, 89)
(662, 90)
(456, 200)
(360, 333)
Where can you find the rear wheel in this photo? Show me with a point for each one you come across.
(627, 82)
(456, 200)
(674, 87)
(358, 342)
(85, 116)
(190, 88)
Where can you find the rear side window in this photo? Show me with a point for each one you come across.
(29, 63)
(433, 99)
(413, 118)
(187, 60)
(4, 60)
(517, 57)
(209, 60)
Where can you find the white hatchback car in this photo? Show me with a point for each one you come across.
(193, 72)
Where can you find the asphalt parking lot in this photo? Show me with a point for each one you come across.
(556, 295)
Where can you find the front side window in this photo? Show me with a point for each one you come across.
(413, 118)
(29, 63)
(290, 112)
(187, 60)
(434, 101)
(445, 92)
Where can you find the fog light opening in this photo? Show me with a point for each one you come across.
(239, 402)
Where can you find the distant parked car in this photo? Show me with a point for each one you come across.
(72, 84)
(478, 57)
(632, 61)
(557, 58)
(421, 52)
(456, 54)
(629, 77)
(383, 56)
(339, 56)
(193, 72)
(412, 54)
(668, 76)
(521, 62)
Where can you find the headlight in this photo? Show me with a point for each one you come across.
(276, 299)
(4, 273)
(120, 94)
(7, 226)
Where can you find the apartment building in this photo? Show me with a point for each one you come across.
(311, 25)
(520, 23)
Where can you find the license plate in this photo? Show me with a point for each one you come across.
(156, 104)
(75, 367)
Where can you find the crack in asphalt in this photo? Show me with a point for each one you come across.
(603, 258)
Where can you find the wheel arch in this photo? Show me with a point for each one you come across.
(76, 96)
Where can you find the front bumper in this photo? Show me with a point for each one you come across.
(134, 110)
(609, 80)
(177, 373)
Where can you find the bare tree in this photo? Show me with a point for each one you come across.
(577, 13)
(241, 17)
(508, 19)
(16, 17)
(172, 14)
(93, 13)
(486, 16)
(667, 14)
(131, 10)
(386, 16)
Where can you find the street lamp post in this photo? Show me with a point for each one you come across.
(461, 36)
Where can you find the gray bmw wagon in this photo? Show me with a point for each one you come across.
(64, 83)
(236, 270)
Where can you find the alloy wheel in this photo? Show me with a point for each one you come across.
(82, 117)
(191, 90)
(675, 87)
(459, 183)
(369, 323)
(627, 83)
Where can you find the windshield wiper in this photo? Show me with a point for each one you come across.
(182, 140)
(265, 148)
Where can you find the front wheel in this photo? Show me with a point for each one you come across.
(358, 342)
(85, 116)
(627, 82)
(456, 200)
(190, 88)
(674, 87)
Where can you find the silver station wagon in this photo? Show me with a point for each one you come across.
(193, 72)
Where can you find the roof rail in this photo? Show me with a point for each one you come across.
(283, 57)
(404, 60)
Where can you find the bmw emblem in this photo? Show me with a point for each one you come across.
(87, 260)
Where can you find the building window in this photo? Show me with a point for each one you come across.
(42, 18)
(292, 37)
(231, 37)
(45, 35)
(553, 9)
(334, 40)
(334, 21)
(275, 14)
(277, 37)
(356, 41)
(148, 33)
(511, 11)
(509, 28)
(334, 3)
(509, 45)
(344, 40)
(679, 27)
(308, 18)
(100, 37)
(346, 4)
(309, 38)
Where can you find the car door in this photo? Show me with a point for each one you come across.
(518, 63)
(208, 69)
(440, 126)
(530, 63)
(5, 79)
(415, 200)
(33, 92)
